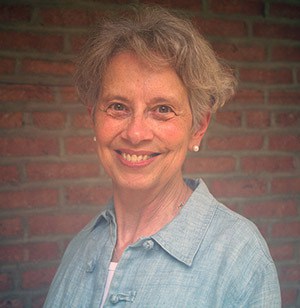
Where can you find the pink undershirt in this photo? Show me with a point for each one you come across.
(111, 271)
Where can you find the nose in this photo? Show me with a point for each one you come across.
(138, 129)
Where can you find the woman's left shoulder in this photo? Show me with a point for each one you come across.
(240, 230)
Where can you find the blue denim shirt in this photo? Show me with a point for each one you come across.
(208, 256)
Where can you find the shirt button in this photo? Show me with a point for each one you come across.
(90, 266)
(114, 299)
(148, 244)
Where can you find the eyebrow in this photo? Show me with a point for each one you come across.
(166, 99)
(115, 97)
(158, 99)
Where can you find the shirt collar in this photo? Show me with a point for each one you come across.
(107, 214)
(183, 236)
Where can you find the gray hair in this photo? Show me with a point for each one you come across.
(160, 38)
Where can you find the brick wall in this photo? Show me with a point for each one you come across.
(51, 183)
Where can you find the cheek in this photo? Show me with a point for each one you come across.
(174, 136)
(106, 130)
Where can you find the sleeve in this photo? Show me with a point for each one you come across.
(253, 275)
(262, 289)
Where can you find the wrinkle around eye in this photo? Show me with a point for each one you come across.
(116, 110)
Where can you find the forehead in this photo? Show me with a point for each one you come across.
(127, 71)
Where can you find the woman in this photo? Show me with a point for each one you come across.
(152, 82)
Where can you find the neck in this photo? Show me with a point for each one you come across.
(141, 214)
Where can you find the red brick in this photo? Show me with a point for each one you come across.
(10, 227)
(68, 95)
(285, 10)
(5, 282)
(258, 119)
(238, 187)
(282, 252)
(284, 143)
(64, 17)
(180, 4)
(7, 66)
(38, 278)
(272, 209)
(288, 119)
(11, 303)
(285, 97)
(209, 164)
(77, 41)
(28, 41)
(286, 185)
(19, 146)
(38, 302)
(290, 273)
(286, 53)
(289, 296)
(47, 67)
(11, 253)
(98, 195)
(246, 142)
(82, 121)
(50, 171)
(9, 174)
(249, 96)
(25, 93)
(221, 28)
(266, 76)
(255, 164)
(237, 7)
(31, 198)
(11, 119)
(229, 118)
(13, 13)
(42, 251)
(263, 228)
(49, 120)
(58, 224)
(236, 52)
(286, 229)
(80, 145)
(276, 31)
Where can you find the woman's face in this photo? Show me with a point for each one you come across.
(143, 124)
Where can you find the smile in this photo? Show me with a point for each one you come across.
(133, 158)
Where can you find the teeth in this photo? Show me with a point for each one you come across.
(135, 158)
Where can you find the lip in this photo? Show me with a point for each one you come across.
(136, 158)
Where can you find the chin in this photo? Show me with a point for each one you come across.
(137, 182)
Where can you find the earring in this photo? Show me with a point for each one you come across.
(95, 139)
(195, 148)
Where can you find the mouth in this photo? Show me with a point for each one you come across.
(134, 158)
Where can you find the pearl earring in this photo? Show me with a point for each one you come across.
(95, 139)
(195, 148)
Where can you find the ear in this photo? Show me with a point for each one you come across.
(199, 132)
(90, 110)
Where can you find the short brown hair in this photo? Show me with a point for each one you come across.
(160, 38)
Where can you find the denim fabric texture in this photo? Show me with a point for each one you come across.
(208, 256)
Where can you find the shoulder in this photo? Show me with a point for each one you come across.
(239, 231)
(245, 263)
(227, 226)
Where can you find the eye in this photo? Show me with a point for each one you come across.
(117, 107)
(164, 109)
(163, 112)
(117, 110)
